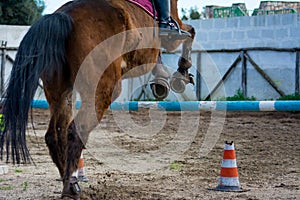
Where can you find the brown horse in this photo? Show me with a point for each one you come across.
(82, 46)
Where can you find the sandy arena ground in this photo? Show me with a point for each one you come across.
(267, 145)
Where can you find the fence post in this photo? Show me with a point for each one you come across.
(3, 61)
(297, 73)
(198, 77)
(244, 74)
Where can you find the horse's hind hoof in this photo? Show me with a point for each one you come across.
(68, 198)
(177, 85)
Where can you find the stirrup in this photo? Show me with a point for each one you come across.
(170, 29)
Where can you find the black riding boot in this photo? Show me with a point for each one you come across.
(167, 26)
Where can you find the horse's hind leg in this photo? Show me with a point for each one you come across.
(60, 103)
(93, 106)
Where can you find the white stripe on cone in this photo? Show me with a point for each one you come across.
(232, 182)
(227, 163)
(229, 147)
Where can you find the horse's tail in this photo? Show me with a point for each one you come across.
(42, 51)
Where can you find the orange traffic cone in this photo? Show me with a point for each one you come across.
(229, 178)
(80, 171)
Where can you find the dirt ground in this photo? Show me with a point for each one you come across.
(267, 146)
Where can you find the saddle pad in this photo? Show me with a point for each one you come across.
(146, 5)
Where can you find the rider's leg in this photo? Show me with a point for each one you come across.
(168, 26)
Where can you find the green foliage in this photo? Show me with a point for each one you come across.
(176, 166)
(18, 171)
(6, 187)
(184, 17)
(192, 14)
(290, 97)
(25, 185)
(20, 12)
(239, 96)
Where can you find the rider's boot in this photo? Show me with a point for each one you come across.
(168, 27)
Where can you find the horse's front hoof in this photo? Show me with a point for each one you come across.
(160, 88)
(71, 189)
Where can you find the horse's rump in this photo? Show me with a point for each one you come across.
(96, 21)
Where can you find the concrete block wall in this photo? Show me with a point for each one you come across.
(12, 34)
(278, 31)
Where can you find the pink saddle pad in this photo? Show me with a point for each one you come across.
(146, 5)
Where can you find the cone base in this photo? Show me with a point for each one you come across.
(228, 189)
(83, 179)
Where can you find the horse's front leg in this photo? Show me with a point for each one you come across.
(182, 77)
(159, 85)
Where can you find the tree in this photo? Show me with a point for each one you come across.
(20, 12)
(184, 17)
(193, 14)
